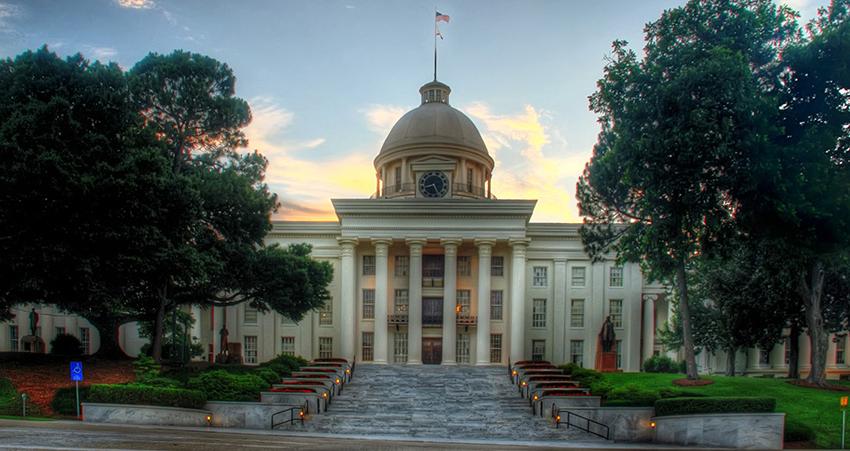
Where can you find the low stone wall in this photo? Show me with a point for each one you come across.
(543, 406)
(246, 415)
(149, 415)
(628, 424)
(315, 403)
(734, 430)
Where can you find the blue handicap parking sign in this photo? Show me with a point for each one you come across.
(76, 371)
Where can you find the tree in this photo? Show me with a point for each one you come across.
(677, 126)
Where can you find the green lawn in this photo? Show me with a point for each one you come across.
(819, 409)
(13, 417)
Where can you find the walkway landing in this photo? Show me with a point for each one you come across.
(432, 401)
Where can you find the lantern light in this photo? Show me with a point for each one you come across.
(209, 419)
(536, 397)
(652, 425)
(337, 381)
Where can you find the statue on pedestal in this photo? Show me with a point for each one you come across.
(33, 322)
(607, 336)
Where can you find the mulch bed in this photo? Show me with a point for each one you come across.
(692, 383)
(40, 380)
(828, 387)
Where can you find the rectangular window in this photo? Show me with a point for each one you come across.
(398, 178)
(368, 303)
(400, 347)
(496, 305)
(619, 350)
(616, 276)
(462, 348)
(326, 313)
(368, 346)
(326, 347)
(463, 303)
(287, 345)
(787, 350)
(577, 313)
(497, 266)
(840, 347)
(538, 313)
(538, 349)
(464, 266)
(764, 357)
(250, 315)
(402, 265)
(60, 331)
(13, 338)
(400, 303)
(577, 352)
(469, 180)
(615, 309)
(495, 348)
(368, 265)
(540, 279)
(579, 276)
(85, 340)
(250, 349)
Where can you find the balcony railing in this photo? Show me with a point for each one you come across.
(399, 189)
(398, 318)
(464, 319)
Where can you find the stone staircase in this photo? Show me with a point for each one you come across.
(432, 401)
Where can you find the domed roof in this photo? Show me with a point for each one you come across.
(433, 123)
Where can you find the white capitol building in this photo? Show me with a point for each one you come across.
(433, 269)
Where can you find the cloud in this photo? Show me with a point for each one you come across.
(100, 53)
(7, 12)
(136, 4)
(381, 118)
(305, 180)
(533, 160)
(807, 8)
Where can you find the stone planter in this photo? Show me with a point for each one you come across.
(148, 415)
(733, 430)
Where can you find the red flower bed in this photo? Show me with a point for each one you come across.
(40, 380)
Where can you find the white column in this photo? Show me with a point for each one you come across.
(347, 284)
(449, 301)
(559, 353)
(518, 247)
(414, 325)
(648, 324)
(485, 250)
(380, 344)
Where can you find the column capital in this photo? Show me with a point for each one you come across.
(519, 242)
(412, 242)
(650, 297)
(347, 241)
(560, 261)
(482, 242)
(446, 242)
(381, 245)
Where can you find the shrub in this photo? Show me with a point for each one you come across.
(65, 400)
(140, 394)
(632, 395)
(585, 376)
(284, 365)
(601, 388)
(268, 375)
(798, 432)
(662, 364)
(220, 385)
(65, 344)
(145, 368)
(697, 405)
(11, 402)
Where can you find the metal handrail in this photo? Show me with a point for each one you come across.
(302, 411)
(556, 415)
(398, 318)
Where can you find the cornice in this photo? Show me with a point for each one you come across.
(428, 208)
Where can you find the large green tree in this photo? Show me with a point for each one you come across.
(677, 126)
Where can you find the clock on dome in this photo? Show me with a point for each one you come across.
(433, 184)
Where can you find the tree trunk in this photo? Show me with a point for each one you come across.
(108, 326)
(684, 313)
(158, 328)
(730, 361)
(794, 353)
(815, 323)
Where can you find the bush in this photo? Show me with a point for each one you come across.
(798, 432)
(663, 364)
(140, 394)
(145, 368)
(601, 388)
(632, 395)
(585, 376)
(220, 385)
(11, 402)
(697, 405)
(65, 344)
(65, 400)
(284, 365)
(268, 375)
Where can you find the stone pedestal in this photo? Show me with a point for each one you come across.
(607, 362)
(32, 343)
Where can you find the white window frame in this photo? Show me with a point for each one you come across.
(400, 347)
(401, 265)
(577, 313)
(540, 276)
(287, 345)
(14, 338)
(497, 266)
(495, 348)
(841, 346)
(464, 266)
(326, 347)
(85, 340)
(619, 349)
(578, 276)
(538, 313)
(463, 298)
(401, 301)
(368, 306)
(367, 346)
(497, 305)
(538, 354)
(326, 313)
(462, 349)
(615, 310)
(250, 315)
(577, 352)
(369, 265)
(616, 277)
(250, 349)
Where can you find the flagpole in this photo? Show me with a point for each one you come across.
(435, 43)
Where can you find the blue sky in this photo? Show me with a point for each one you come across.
(327, 79)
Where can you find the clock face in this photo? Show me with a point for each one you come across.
(433, 184)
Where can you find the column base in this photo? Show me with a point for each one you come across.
(414, 362)
(448, 362)
(485, 363)
(378, 362)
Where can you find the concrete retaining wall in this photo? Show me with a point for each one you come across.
(315, 403)
(628, 424)
(149, 415)
(246, 415)
(564, 402)
(734, 430)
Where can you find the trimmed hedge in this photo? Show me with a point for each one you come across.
(663, 364)
(147, 395)
(65, 400)
(221, 385)
(284, 365)
(634, 395)
(695, 405)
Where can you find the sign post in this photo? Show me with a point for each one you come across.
(843, 418)
(77, 376)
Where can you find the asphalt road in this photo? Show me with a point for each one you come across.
(72, 435)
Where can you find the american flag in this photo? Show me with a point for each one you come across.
(442, 17)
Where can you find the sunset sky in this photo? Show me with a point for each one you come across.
(326, 80)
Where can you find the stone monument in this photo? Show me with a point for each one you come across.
(606, 354)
